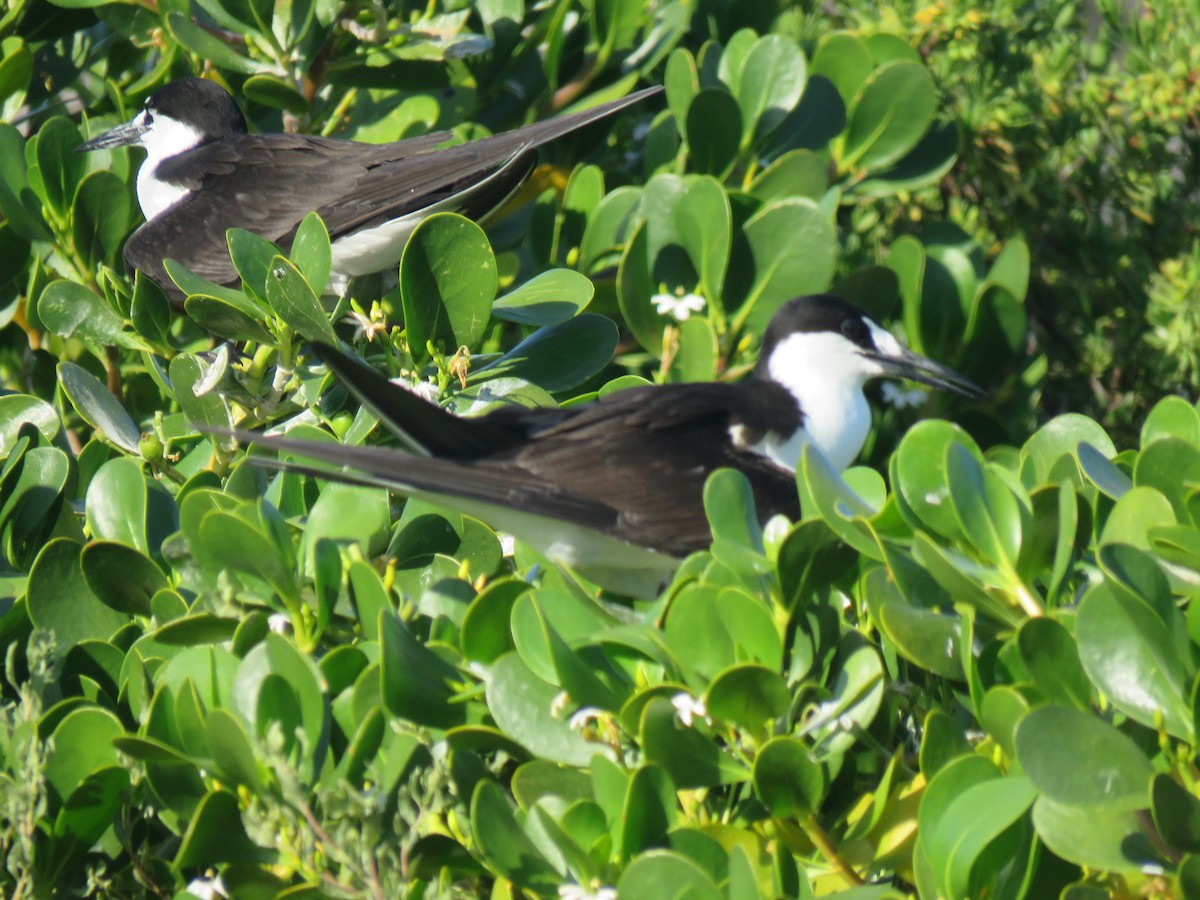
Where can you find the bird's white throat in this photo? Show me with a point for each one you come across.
(164, 138)
(825, 372)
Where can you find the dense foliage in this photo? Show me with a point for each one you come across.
(968, 671)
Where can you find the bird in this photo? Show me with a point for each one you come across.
(613, 489)
(204, 174)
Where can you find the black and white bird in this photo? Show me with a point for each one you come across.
(204, 174)
(614, 489)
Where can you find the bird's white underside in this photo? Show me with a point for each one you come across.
(614, 564)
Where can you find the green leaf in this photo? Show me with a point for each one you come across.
(418, 685)
(210, 410)
(225, 320)
(310, 249)
(523, 707)
(846, 61)
(98, 407)
(713, 130)
(787, 781)
(769, 85)
(216, 835)
(648, 813)
(121, 577)
(504, 845)
(448, 280)
(1109, 838)
(794, 248)
(82, 746)
(272, 91)
(689, 757)
(557, 357)
(70, 310)
(1171, 417)
(987, 511)
(18, 203)
(1075, 758)
(208, 46)
(748, 695)
(1050, 654)
(703, 222)
(893, 109)
(17, 410)
(294, 301)
(929, 639)
(61, 602)
(60, 166)
(664, 873)
(1176, 813)
(100, 217)
(1129, 655)
(972, 822)
(550, 298)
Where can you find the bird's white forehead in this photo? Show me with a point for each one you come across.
(885, 341)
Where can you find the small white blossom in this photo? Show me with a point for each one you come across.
(279, 623)
(582, 716)
(689, 708)
(579, 892)
(366, 326)
(679, 307)
(206, 888)
(896, 396)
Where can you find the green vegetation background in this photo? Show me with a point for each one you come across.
(973, 675)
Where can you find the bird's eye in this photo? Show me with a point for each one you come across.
(855, 330)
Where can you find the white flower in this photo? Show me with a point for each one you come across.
(206, 888)
(678, 307)
(688, 708)
(898, 397)
(582, 716)
(279, 623)
(579, 892)
(366, 326)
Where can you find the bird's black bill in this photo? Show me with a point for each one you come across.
(918, 368)
(129, 133)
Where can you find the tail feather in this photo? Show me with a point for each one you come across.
(422, 426)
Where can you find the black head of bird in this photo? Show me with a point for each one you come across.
(614, 488)
(204, 174)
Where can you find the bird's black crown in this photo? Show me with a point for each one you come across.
(202, 104)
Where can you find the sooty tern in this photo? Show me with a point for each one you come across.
(204, 174)
(614, 488)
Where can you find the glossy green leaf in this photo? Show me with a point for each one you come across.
(786, 779)
(557, 357)
(1129, 655)
(293, 300)
(448, 281)
(794, 247)
(550, 298)
(713, 129)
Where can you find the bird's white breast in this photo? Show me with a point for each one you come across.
(165, 138)
(825, 374)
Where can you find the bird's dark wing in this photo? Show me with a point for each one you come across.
(646, 452)
(632, 465)
(351, 185)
